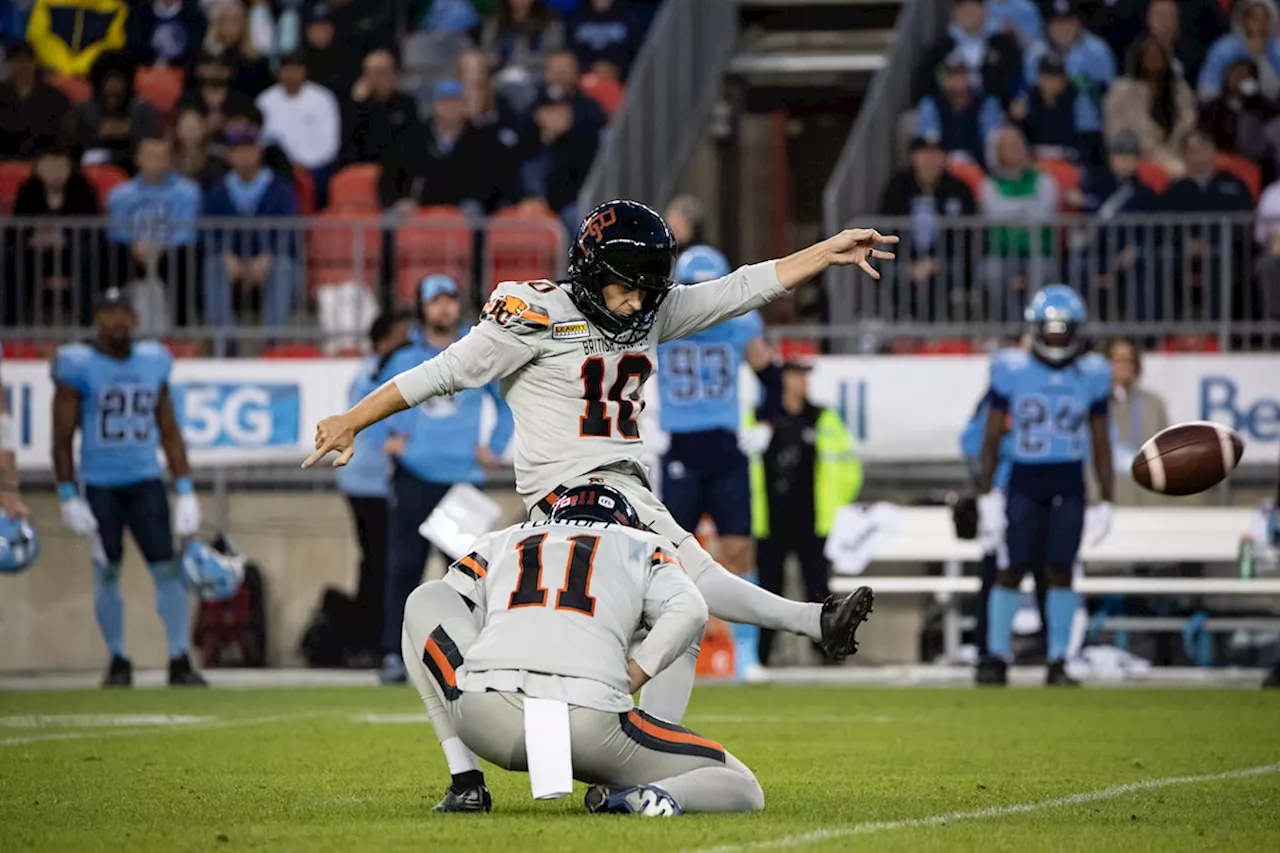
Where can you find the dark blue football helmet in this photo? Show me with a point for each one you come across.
(596, 502)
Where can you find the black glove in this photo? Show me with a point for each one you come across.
(964, 515)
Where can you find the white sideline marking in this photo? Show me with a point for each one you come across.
(994, 812)
(99, 721)
(153, 730)
(391, 719)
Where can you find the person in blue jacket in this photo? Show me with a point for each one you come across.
(433, 446)
(1252, 36)
(365, 483)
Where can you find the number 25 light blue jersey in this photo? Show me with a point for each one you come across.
(1049, 407)
(698, 377)
(119, 435)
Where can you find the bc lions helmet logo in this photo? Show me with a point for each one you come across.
(594, 227)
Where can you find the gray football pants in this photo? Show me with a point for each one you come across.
(728, 597)
(631, 748)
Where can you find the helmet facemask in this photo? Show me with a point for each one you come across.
(1056, 338)
(588, 281)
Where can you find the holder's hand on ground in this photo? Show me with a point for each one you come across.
(857, 247)
(333, 433)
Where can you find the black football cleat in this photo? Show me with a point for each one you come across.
(119, 673)
(475, 800)
(182, 675)
(840, 620)
(992, 672)
(1057, 675)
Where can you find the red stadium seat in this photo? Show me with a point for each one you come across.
(355, 188)
(105, 178)
(77, 89)
(971, 174)
(523, 243)
(292, 350)
(605, 91)
(161, 86)
(12, 174)
(947, 346)
(797, 348)
(333, 244)
(1153, 175)
(1191, 343)
(435, 240)
(34, 350)
(305, 186)
(1065, 175)
(1243, 168)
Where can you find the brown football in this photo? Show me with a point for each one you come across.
(1187, 458)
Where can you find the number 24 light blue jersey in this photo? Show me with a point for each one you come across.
(698, 377)
(119, 435)
(1049, 407)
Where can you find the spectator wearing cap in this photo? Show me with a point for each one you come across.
(448, 160)
(1153, 103)
(1206, 189)
(31, 111)
(1109, 257)
(960, 116)
(334, 63)
(1018, 18)
(563, 152)
(1252, 36)
(167, 32)
(229, 36)
(433, 446)
(1015, 191)
(994, 59)
(304, 119)
(1057, 120)
(210, 93)
(378, 115)
(1238, 117)
(244, 256)
(152, 226)
(930, 195)
(108, 126)
(605, 35)
(53, 279)
(520, 35)
(1090, 63)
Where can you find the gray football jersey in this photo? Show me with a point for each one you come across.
(565, 599)
(574, 396)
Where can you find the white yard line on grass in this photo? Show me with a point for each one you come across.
(984, 814)
(164, 729)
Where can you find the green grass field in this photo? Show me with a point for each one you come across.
(843, 769)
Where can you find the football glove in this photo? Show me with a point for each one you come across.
(186, 515)
(77, 516)
(992, 520)
(1098, 522)
(755, 439)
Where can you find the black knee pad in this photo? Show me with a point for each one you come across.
(1059, 577)
(1009, 578)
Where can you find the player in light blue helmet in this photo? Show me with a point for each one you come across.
(1055, 398)
(19, 544)
(705, 469)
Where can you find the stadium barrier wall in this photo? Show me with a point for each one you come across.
(246, 411)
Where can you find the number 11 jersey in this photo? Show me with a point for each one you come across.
(119, 437)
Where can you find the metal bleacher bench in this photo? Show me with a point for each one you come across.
(1159, 536)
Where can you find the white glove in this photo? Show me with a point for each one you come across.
(77, 516)
(186, 515)
(755, 439)
(1098, 522)
(992, 520)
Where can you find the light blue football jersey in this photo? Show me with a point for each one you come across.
(1049, 407)
(698, 376)
(119, 435)
(368, 472)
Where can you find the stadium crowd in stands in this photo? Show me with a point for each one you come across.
(1106, 108)
(157, 113)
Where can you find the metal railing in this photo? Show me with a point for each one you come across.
(670, 92)
(1152, 277)
(319, 280)
(867, 160)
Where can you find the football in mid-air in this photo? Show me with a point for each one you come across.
(1185, 459)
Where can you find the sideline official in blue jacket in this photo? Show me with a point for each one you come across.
(433, 446)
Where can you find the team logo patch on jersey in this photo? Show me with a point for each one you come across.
(508, 310)
(574, 330)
